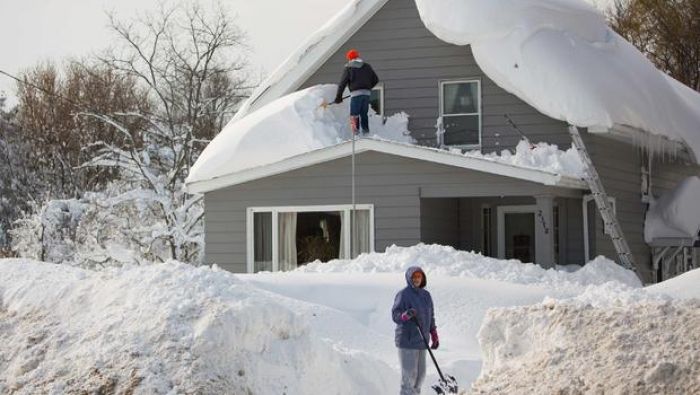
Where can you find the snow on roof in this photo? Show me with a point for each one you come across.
(676, 214)
(559, 56)
(292, 125)
(297, 131)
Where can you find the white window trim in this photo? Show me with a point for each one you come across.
(586, 230)
(441, 85)
(380, 87)
(275, 210)
(502, 211)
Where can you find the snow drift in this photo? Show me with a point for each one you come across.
(167, 328)
(292, 125)
(447, 261)
(560, 57)
(540, 156)
(554, 348)
(676, 213)
(587, 343)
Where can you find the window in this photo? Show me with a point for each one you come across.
(283, 238)
(376, 100)
(460, 109)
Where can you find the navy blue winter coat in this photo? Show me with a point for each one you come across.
(407, 335)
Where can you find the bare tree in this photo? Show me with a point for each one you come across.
(667, 31)
(189, 61)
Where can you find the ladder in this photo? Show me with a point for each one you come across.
(603, 203)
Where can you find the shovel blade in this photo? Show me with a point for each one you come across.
(446, 386)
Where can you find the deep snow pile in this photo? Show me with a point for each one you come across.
(541, 156)
(167, 328)
(447, 261)
(676, 213)
(609, 339)
(647, 348)
(561, 57)
(292, 125)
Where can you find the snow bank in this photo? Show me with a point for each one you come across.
(540, 156)
(561, 57)
(291, 125)
(685, 286)
(555, 348)
(167, 328)
(447, 261)
(676, 213)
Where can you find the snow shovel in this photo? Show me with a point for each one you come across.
(447, 383)
(325, 104)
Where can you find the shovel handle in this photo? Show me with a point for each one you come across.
(425, 341)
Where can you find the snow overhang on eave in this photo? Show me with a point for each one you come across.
(632, 135)
(399, 149)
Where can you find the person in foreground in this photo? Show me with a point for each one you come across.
(413, 311)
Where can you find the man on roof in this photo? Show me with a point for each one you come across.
(360, 78)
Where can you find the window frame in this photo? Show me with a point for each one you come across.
(479, 114)
(380, 87)
(275, 210)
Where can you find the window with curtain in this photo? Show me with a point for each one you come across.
(460, 109)
(283, 238)
(262, 246)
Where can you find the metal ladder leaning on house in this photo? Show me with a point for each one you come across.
(603, 203)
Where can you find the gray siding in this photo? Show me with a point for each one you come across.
(668, 172)
(619, 167)
(410, 62)
(393, 184)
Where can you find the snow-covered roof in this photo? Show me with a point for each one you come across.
(559, 56)
(675, 215)
(298, 130)
(344, 149)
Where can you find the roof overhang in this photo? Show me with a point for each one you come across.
(658, 143)
(392, 148)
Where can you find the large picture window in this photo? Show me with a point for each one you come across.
(283, 238)
(460, 109)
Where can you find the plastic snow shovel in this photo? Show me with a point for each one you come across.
(447, 383)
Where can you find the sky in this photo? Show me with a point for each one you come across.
(32, 31)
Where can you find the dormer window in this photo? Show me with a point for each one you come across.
(460, 109)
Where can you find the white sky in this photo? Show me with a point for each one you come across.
(38, 30)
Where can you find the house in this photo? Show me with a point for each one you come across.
(286, 212)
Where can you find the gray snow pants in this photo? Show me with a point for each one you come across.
(412, 370)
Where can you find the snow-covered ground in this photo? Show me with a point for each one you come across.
(324, 329)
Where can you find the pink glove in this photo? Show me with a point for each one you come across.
(408, 314)
(434, 338)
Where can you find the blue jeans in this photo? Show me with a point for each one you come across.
(359, 106)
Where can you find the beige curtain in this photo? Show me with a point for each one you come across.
(343, 225)
(287, 241)
(360, 234)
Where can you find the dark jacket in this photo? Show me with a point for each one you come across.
(407, 335)
(356, 75)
